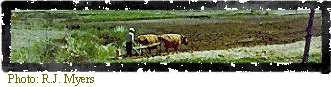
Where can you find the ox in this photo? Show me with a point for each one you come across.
(173, 41)
(150, 41)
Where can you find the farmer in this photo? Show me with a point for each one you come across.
(129, 42)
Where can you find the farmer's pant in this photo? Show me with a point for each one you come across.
(129, 48)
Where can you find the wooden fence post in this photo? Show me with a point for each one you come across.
(309, 35)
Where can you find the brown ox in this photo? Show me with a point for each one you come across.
(173, 41)
(148, 40)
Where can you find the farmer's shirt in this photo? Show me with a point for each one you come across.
(130, 36)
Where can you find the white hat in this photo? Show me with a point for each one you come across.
(131, 29)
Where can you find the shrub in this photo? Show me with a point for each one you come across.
(118, 35)
(39, 52)
(80, 46)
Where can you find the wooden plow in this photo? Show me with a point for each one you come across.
(144, 47)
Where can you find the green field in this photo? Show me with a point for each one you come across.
(41, 36)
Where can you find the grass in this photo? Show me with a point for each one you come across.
(121, 15)
(96, 16)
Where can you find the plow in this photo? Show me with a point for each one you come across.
(139, 49)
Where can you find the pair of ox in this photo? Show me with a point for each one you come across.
(168, 41)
